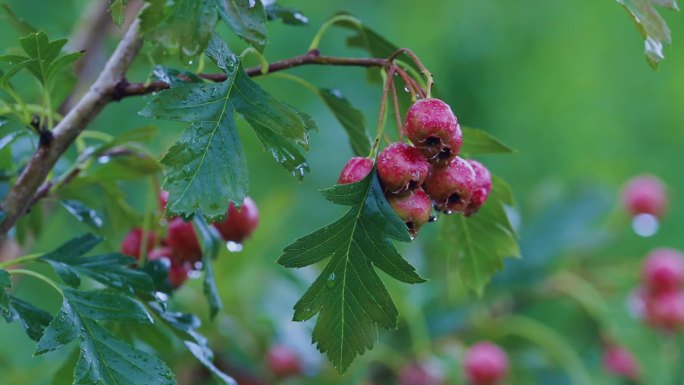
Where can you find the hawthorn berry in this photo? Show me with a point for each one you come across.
(451, 186)
(620, 362)
(485, 364)
(239, 223)
(178, 271)
(420, 374)
(355, 170)
(283, 361)
(434, 130)
(665, 310)
(132, 242)
(645, 194)
(402, 167)
(413, 207)
(181, 237)
(663, 270)
(482, 187)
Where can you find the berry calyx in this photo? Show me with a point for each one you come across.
(451, 186)
(645, 194)
(355, 170)
(485, 364)
(663, 270)
(482, 187)
(402, 167)
(433, 128)
(620, 362)
(178, 271)
(413, 207)
(283, 361)
(239, 223)
(666, 310)
(181, 237)
(131, 245)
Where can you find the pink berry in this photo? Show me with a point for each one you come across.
(413, 207)
(485, 364)
(433, 128)
(420, 374)
(182, 238)
(620, 362)
(645, 194)
(355, 170)
(283, 361)
(402, 167)
(178, 271)
(663, 270)
(665, 310)
(483, 186)
(132, 242)
(451, 186)
(239, 223)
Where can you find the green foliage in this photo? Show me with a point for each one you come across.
(350, 118)
(83, 213)
(246, 19)
(651, 25)
(477, 142)
(210, 241)
(118, 10)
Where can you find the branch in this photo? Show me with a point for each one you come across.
(101, 92)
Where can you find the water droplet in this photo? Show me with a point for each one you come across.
(162, 297)
(645, 225)
(104, 159)
(406, 89)
(190, 62)
(252, 3)
(234, 247)
(194, 274)
(412, 236)
(331, 281)
(432, 218)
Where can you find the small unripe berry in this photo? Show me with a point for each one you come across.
(283, 361)
(620, 362)
(485, 364)
(433, 128)
(645, 194)
(239, 223)
(413, 207)
(482, 187)
(663, 270)
(355, 170)
(451, 186)
(182, 238)
(420, 374)
(178, 272)
(665, 310)
(132, 242)
(402, 167)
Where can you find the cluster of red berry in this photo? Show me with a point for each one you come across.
(428, 173)
(180, 249)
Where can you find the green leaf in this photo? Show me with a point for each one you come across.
(103, 358)
(350, 118)
(477, 142)
(174, 77)
(38, 47)
(117, 9)
(247, 19)
(366, 38)
(348, 296)
(21, 25)
(82, 213)
(33, 319)
(479, 243)
(206, 168)
(211, 242)
(5, 284)
(289, 16)
(651, 25)
(122, 164)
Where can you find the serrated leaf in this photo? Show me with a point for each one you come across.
(350, 118)
(21, 25)
(210, 242)
(367, 39)
(289, 16)
(38, 47)
(117, 9)
(348, 296)
(479, 243)
(206, 169)
(247, 19)
(477, 142)
(174, 77)
(5, 284)
(32, 319)
(651, 25)
(82, 213)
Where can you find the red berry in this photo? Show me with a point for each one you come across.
(178, 271)
(239, 223)
(433, 128)
(355, 170)
(665, 310)
(485, 364)
(132, 242)
(451, 186)
(420, 374)
(645, 194)
(402, 167)
(663, 270)
(283, 361)
(182, 238)
(483, 186)
(620, 361)
(413, 207)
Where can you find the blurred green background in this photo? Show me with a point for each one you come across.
(565, 83)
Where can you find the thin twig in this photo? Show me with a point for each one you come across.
(397, 112)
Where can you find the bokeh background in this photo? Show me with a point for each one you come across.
(564, 83)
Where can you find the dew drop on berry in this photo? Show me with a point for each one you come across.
(234, 247)
(645, 225)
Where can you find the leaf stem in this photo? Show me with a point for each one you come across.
(316, 41)
(16, 261)
(297, 80)
(388, 77)
(259, 55)
(421, 66)
(39, 276)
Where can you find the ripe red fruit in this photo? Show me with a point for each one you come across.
(663, 270)
(181, 237)
(620, 361)
(413, 207)
(665, 310)
(283, 361)
(239, 223)
(420, 374)
(178, 271)
(485, 364)
(645, 194)
(451, 186)
(433, 128)
(483, 186)
(355, 170)
(402, 167)
(132, 242)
